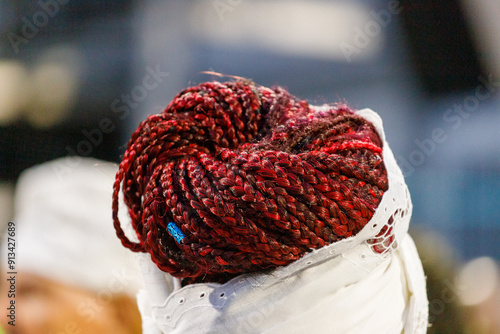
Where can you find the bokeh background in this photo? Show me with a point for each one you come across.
(77, 77)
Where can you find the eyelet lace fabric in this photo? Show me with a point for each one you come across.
(166, 308)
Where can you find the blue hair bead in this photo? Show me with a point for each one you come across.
(175, 232)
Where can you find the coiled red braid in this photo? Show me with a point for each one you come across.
(234, 177)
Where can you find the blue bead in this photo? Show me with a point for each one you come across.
(175, 232)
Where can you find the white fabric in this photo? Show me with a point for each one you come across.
(65, 230)
(344, 287)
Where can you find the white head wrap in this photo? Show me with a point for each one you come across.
(65, 230)
(372, 282)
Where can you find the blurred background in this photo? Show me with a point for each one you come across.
(77, 77)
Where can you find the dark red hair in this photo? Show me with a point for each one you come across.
(234, 177)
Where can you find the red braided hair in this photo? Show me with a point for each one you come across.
(234, 177)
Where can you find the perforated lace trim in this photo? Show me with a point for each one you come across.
(385, 243)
